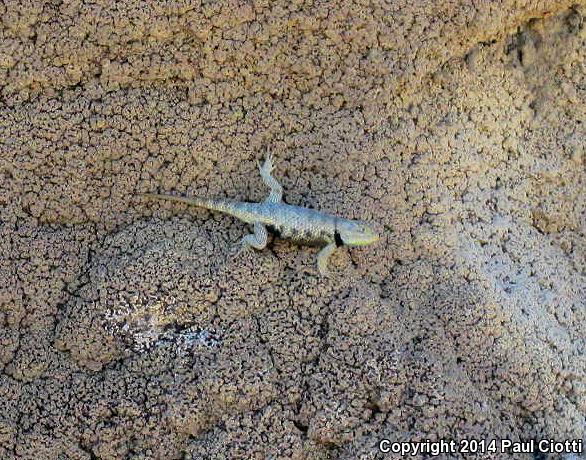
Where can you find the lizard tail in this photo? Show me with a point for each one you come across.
(220, 205)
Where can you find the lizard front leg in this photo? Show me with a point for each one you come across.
(276, 193)
(323, 256)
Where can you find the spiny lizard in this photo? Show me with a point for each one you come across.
(302, 225)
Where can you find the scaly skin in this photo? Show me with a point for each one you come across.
(302, 225)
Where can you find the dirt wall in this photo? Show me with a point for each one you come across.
(129, 330)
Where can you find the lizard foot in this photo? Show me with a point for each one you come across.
(267, 167)
(323, 257)
(239, 249)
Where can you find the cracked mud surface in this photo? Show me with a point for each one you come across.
(127, 329)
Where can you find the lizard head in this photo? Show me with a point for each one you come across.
(356, 233)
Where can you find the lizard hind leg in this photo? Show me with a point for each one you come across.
(276, 193)
(256, 240)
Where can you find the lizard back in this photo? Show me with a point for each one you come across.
(302, 225)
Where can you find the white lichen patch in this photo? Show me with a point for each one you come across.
(147, 289)
(141, 318)
(145, 321)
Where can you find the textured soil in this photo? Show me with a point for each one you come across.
(129, 330)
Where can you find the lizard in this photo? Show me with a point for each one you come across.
(299, 224)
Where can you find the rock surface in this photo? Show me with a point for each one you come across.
(127, 330)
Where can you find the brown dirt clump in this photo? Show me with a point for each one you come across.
(127, 328)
